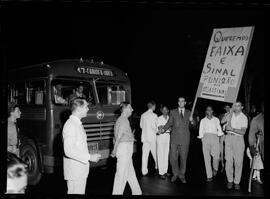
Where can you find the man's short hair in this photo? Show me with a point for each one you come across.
(209, 106)
(239, 102)
(123, 105)
(182, 98)
(16, 168)
(163, 106)
(151, 103)
(11, 107)
(77, 102)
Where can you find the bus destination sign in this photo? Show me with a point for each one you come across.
(95, 71)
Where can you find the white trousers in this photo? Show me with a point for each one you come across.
(76, 186)
(146, 148)
(163, 147)
(125, 171)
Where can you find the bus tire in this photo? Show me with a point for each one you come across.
(29, 154)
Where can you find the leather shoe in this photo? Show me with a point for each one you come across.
(236, 186)
(183, 180)
(174, 178)
(209, 179)
(229, 185)
(163, 177)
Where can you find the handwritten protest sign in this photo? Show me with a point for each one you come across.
(224, 64)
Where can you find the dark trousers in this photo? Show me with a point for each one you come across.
(176, 151)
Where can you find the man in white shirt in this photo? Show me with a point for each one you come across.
(148, 124)
(235, 145)
(77, 156)
(123, 150)
(163, 144)
(209, 132)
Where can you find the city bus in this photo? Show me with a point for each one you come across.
(34, 89)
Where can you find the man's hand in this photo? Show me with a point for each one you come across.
(253, 151)
(191, 119)
(113, 154)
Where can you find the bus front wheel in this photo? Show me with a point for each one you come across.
(29, 154)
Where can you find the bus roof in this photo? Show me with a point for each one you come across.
(69, 68)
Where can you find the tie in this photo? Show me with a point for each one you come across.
(181, 113)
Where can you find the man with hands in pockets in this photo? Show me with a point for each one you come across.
(77, 157)
(123, 150)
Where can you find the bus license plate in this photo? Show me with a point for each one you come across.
(93, 147)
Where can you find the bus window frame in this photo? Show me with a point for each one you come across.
(122, 83)
(90, 81)
(25, 82)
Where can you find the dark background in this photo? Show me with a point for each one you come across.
(162, 46)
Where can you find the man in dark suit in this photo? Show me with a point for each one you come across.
(179, 121)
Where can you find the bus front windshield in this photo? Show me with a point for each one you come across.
(64, 91)
(110, 93)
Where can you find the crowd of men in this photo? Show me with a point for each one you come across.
(222, 141)
(167, 137)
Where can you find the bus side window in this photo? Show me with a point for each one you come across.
(35, 91)
(19, 93)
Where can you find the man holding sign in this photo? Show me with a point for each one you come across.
(220, 80)
(180, 138)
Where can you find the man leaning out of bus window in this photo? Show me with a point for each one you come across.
(58, 98)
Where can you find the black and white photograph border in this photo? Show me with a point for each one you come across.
(142, 52)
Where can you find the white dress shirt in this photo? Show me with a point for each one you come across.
(148, 124)
(210, 126)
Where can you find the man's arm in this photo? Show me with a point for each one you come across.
(168, 124)
(220, 132)
(141, 122)
(70, 149)
(252, 133)
(201, 129)
(240, 131)
(118, 136)
(154, 123)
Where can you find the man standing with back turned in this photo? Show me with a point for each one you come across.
(180, 137)
(77, 157)
(148, 123)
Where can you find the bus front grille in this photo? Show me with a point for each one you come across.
(99, 131)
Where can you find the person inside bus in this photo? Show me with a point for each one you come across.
(58, 97)
(14, 113)
(16, 175)
(78, 93)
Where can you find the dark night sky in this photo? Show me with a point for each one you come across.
(162, 47)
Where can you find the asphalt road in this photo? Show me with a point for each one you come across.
(100, 180)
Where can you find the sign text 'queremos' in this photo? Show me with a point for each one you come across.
(95, 71)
